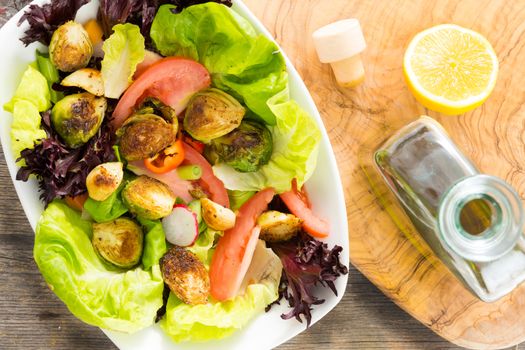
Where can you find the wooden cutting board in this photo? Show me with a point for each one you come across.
(387, 250)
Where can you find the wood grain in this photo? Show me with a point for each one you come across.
(32, 317)
(390, 253)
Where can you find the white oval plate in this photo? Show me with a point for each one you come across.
(266, 331)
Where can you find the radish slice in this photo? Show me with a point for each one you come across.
(181, 226)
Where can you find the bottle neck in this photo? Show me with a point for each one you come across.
(480, 218)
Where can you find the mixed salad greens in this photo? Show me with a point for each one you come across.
(170, 158)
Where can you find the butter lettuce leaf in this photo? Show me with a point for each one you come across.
(203, 246)
(250, 67)
(154, 242)
(106, 210)
(32, 88)
(25, 129)
(96, 293)
(296, 140)
(123, 51)
(241, 62)
(210, 321)
(31, 97)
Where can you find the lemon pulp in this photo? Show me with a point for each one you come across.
(450, 69)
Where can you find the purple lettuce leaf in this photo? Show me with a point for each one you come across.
(307, 263)
(44, 20)
(62, 171)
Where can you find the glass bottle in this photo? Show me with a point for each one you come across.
(472, 222)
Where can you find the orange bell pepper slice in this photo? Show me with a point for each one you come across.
(170, 158)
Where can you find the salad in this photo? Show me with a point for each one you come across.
(171, 162)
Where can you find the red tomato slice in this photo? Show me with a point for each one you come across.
(173, 80)
(208, 180)
(298, 203)
(235, 249)
(179, 187)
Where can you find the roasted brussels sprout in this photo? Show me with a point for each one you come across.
(151, 105)
(77, 118)
(144, 135)
(245, 149)
(104, 179)
(212, 113)
(185, 275)
(70, 48)
(88, 79)
(148, 198)
(119, 242)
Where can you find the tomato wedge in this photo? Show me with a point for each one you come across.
(167, 160)
(235, 249)
(298, 203)
(173, 80)
(208, 180)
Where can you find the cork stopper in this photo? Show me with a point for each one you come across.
(340, 44)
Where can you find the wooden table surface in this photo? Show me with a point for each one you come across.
(31, 317)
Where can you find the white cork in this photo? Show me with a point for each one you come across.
(340, 44)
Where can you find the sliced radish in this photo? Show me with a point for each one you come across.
(181, 226)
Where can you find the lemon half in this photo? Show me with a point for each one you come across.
(450, 69)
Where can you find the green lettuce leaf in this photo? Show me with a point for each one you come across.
(50, 72)
(32, 88)
(296, 139)
(123, 51)
(95, 292)
(241, 62)
(25, 129)
(204, 244)
(205, 322)
(238, 198)
(31, 97)
(154, 242)
(106, 210)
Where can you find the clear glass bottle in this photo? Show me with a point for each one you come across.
(472, 222)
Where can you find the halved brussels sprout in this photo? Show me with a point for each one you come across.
(245, 149)
(185, 275)
(88, 79)
(70, 47)
(144, 135)
(77, 118)
(104, 179)
(148, 198)
(212, 113)
(151, 105)
(119, 242)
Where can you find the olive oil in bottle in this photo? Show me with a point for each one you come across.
(472, 222)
